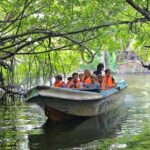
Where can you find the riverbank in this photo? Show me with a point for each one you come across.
(135, 142)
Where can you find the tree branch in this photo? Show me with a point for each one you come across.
(147, 46)
(57, 34)
(145, 13)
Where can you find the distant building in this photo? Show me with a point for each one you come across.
(129, 62)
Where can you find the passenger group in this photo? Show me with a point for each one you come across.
(88, 80)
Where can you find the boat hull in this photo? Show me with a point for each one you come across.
(71, 110)
(75, 132)
(58, 110)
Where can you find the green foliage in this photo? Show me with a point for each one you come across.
(135, 142)
(40, 33)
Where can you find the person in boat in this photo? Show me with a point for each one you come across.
(59, 82)
(75, 83)
(108, 80)
(101, 82)
(87, 79)
(69, 79)
(81, 79)
(100, 68)
(146, 66)
(94, 83)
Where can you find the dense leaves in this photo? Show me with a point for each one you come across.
(53, 35)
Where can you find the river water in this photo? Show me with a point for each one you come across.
(24, 126)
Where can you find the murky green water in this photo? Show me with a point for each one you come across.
(24, 127)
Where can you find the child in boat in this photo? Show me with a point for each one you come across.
(94, 83)
(87, 79)
(101, 82)
(75, 83)
(68, 82)
(108, 79)
(81, 78)
(59, 82)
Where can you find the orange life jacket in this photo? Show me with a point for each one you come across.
(75, 84)
(68, 84)
(59, 84)
(103, 85)
(87, 80)
(109, 82)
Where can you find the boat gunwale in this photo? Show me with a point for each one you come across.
(77, 100)
(39, 90)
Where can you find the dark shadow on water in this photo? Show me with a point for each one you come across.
(79, 131)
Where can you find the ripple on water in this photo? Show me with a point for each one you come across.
(19, 125)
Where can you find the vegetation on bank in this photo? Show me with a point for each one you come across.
(134, 142)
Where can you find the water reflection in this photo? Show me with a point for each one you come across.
(16, 121)
(137, 102)
(20, 124)
(77, 132)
